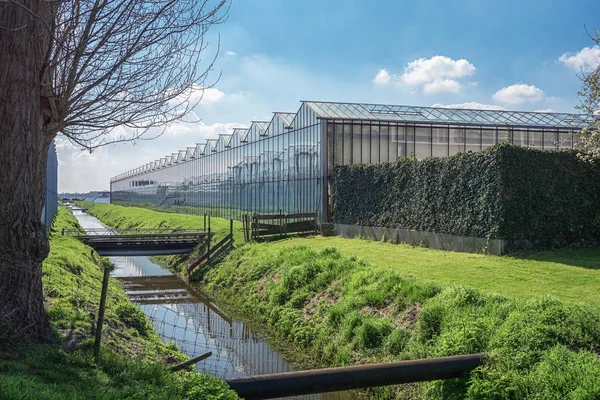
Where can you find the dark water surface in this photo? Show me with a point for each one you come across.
(183, 314)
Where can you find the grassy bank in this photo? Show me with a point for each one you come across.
(340, 310)
(570, 275)
(344, 301)
(134, 360)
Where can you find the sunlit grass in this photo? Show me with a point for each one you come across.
(344, 301)
(342, 310)
(571, 275)
(132, 364)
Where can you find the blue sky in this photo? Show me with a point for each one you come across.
(505, 54)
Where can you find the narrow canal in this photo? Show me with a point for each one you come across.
(183, 314)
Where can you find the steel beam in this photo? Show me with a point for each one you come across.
(353, 377)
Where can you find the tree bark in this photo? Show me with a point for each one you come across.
(24, 43)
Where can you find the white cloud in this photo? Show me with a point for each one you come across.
(519, 94)
(199, 94)
(425, 70)
(471, 105)
(545, 110)
(438, 74)
(442, 86)
(382, 78)
(587, 59)
(230, 53)
(210, 95)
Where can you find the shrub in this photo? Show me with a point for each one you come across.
(525, 196)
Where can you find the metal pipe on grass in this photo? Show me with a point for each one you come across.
(353, 377)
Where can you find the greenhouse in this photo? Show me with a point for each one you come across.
(286, 165)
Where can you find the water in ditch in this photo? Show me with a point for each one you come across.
(183, 314)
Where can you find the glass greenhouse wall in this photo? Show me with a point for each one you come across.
(278, 166)
(269, 168)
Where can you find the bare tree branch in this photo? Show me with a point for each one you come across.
(137, 64)
(589, 137)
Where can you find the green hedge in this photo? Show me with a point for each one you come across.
(526, 196)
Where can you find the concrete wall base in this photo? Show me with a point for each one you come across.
(440, 241)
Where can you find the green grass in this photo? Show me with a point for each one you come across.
(133, 362)
(345, 301)
(340, 310)
(571, 275)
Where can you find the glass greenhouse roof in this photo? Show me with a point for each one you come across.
(376, 112)
(287, 118)
(261, 126)
(438, 115)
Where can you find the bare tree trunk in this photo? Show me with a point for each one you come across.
(24, 40)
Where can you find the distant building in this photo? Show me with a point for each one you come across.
(286, 164)
(51, 187)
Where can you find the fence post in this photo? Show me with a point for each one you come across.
(247, 232)
(231, 227)
(281, 222)
(208, 244)
(244, 226)
(101, 314)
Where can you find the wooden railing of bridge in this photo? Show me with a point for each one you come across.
(83, 232)
(213, 252)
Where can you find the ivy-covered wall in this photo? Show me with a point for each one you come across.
(526, 196)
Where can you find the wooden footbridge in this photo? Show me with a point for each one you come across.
(140, 241)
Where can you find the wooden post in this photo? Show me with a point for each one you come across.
(231, 228)
(208, 244)
(101, 314)
(244, 227)
(205, 222)
(248, 227)
(191, 361)
(280, 222)
(255, 226)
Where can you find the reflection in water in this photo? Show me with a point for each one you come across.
(181, 313)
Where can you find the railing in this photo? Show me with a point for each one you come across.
(140, 241)
(213, 252)
(130, 231)
(259, 225)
